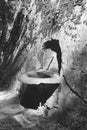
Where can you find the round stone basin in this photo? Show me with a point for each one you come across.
(37, 87)
(39, 75)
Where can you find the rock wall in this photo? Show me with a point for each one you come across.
(65, 21)
(62, 20)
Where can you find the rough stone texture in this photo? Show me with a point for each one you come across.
(58, 19)
(65, 20)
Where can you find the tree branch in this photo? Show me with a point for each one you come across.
(76, 93)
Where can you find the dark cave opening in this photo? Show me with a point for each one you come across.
(32, 95)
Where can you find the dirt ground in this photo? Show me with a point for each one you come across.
(78, 117)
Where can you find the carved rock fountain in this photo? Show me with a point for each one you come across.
(37, 87)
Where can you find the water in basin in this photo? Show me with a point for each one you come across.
(39, 75)
(32, 94)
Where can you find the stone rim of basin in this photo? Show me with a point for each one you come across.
(29, 77)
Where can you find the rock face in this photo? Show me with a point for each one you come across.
(65, 21)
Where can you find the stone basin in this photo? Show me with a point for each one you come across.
(37, 87)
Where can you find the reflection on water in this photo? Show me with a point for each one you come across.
(39, 75)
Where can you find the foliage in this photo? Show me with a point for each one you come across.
(9, 47)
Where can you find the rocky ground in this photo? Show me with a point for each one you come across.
(68, 120)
